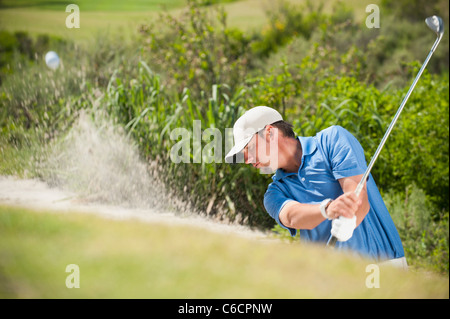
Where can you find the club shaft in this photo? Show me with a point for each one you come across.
(332, 241)
(394, 120)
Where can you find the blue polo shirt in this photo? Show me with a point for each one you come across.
(333, 154)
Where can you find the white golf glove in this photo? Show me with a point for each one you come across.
(342, 228)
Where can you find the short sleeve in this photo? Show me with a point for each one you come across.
(345, 153)
(274, 201)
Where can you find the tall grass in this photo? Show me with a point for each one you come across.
(223, 191)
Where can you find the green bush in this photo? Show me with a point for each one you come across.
(419, 150)
(19, 49)
(415, 10)
(423, 229)
(212, 2)
(197, 50)
(286, 21)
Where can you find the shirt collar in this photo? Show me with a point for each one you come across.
(309, 145)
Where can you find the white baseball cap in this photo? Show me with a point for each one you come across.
(251, 122)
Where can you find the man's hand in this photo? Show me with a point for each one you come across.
(342, 211)
(345, 205)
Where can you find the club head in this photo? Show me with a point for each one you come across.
(436, 24)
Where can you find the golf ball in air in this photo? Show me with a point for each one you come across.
(52, 60)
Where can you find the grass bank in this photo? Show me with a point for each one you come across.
(129, 259)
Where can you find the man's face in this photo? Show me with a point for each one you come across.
(262, 150)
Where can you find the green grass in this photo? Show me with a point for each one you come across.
(91, 23)
(125, 17)
(14, 161)
(97, 5)
(129, 259)
(48, 17)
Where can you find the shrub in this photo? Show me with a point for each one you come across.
(286, 21)
(422, 228)
(197, 50)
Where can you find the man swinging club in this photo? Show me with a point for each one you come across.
(322, 184)
(314, 182)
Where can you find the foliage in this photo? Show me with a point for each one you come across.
(211, 2)
(286, 21)
(88, 5)
(195, 52)
(19, 49)
(220, 190)
(423, 229)
(378, 56)
(415, 10)
(35, 97)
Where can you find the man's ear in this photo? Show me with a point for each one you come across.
(268, 132)
(271, 133)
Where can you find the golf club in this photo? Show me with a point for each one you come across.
(436, 24)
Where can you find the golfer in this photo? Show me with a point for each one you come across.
(313, 185)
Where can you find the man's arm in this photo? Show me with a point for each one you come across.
(308, 216)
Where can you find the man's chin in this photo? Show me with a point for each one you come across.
(266, 170)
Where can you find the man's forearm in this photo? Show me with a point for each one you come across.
(301, 216)
(362, 212)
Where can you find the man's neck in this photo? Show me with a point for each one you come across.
(291, 155)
